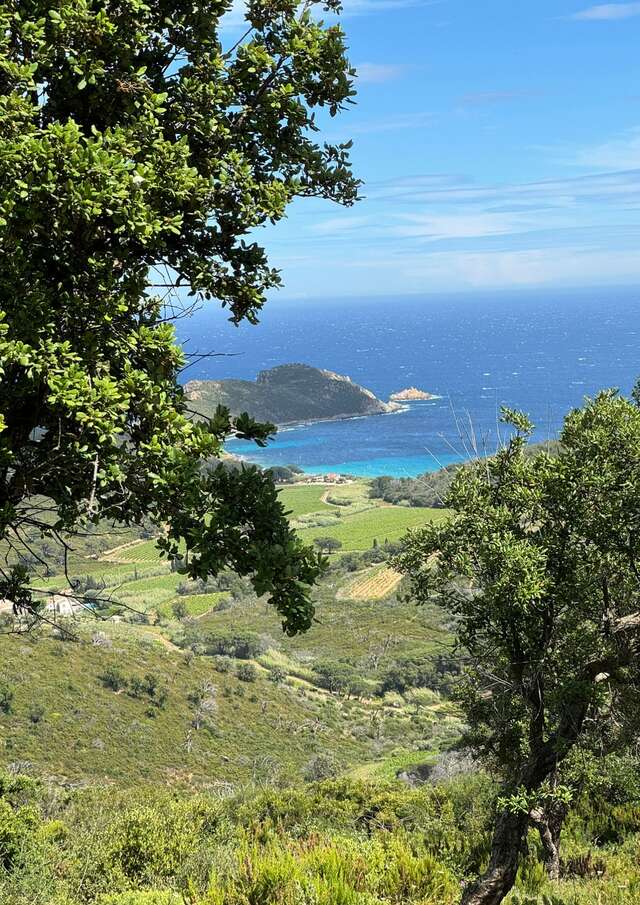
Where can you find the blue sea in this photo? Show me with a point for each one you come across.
(538, 351)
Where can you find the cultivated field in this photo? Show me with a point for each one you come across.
(375, 585)
(303, 499)
(382, 523)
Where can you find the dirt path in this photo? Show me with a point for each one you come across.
(106, 555)
(164, 641)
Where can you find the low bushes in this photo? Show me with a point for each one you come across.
(338, 842)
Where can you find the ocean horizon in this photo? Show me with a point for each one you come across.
(538, 351)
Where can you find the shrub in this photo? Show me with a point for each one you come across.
(241, 645)
(114, 678)
(339, 677)
(148, 897)
(247, 672)
(36, 714)
(6, 697)
(16, 829)
(321, 766)
(147, 845)
(420, 672)
(179, 609)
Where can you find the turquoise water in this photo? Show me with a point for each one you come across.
(541, 352)
(316, 447)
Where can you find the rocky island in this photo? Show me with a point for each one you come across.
(289, 394)
(411, 394)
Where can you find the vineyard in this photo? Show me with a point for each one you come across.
(361, 530)
(374, 585)
(145, 552)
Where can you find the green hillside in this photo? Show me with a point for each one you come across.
(287, 394)
(274, 705)
(191, 728)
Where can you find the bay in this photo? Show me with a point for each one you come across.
(539, 351)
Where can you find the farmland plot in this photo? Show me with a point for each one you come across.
(375, 585)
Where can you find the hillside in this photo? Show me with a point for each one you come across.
(288, 394)
(181, 683)
(177, 747)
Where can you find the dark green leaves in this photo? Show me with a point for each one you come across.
(137, 153)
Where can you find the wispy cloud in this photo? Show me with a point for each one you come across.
(391, 123)
(377, 73)
(463, 225)
(617, 188)
(485, 98)
(334, 226)
(609, 11)
(621, 153)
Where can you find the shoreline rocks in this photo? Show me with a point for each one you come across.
(411, 394)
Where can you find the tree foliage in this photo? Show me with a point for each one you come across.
(137, 153)
(328, 544)
(540, 566)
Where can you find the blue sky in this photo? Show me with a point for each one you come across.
(499, 142)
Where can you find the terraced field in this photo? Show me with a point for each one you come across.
(375, 585)
(145, 552)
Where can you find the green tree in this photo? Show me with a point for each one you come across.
(137, 153)
(328, 544)
(6, 697)
(540, 566)
(179, 609)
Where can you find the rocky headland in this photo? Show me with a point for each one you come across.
(289, 394)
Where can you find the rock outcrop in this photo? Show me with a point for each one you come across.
(288, 394)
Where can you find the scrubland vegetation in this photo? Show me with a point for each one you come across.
(193, 753)
(340, 841)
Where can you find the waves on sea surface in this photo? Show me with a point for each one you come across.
(541, 352)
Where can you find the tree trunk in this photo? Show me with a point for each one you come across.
(510, 830)
(549, 822)
(496, 882)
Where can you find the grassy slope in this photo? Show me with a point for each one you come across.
(89, 732)
(358, 531)
(261, 731)
(303, 499)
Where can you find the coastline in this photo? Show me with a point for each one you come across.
(394, 466)
(397, 409)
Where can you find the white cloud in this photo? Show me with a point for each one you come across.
(618, 154)
(603, 188)
(465, 225)
(416, 271)
(609, 11)
(484, 98)
(376, 73)
(531, 267)
(338, 225)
